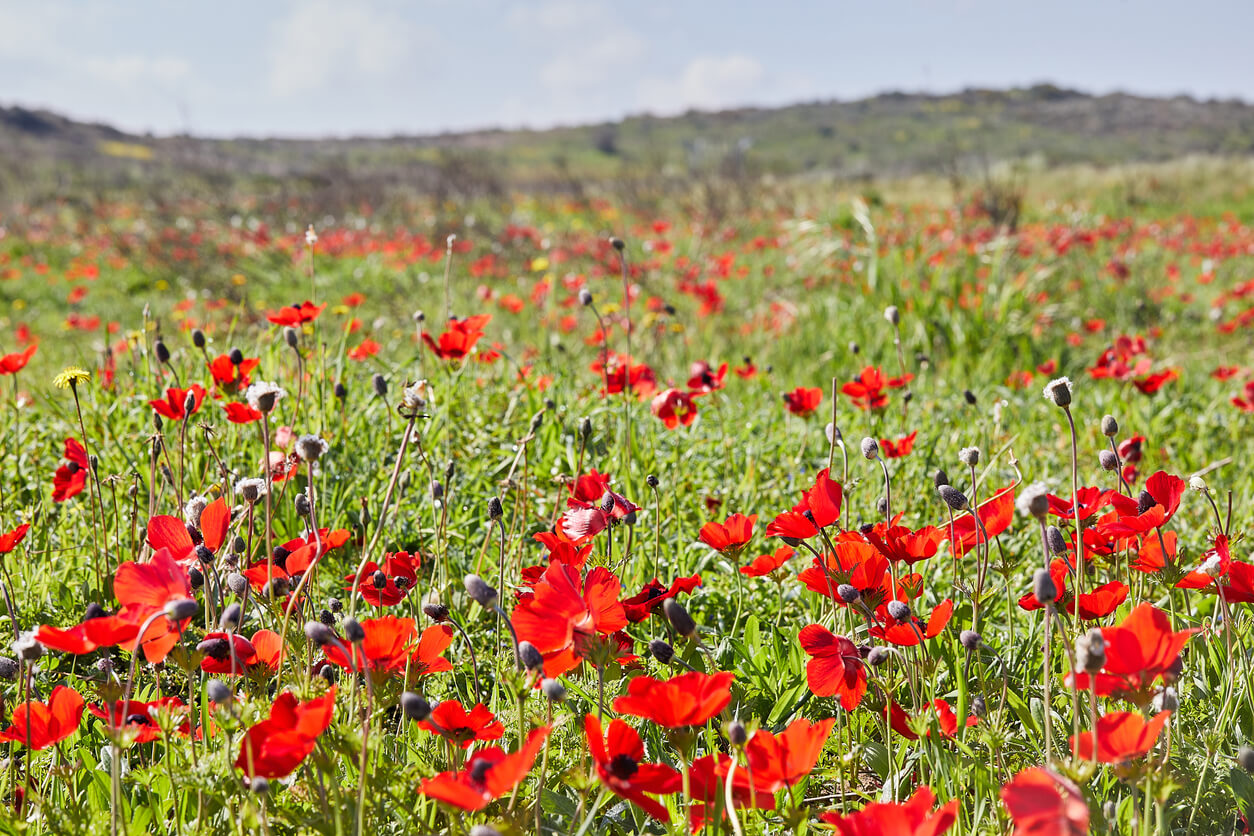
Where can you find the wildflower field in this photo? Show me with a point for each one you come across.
(575, 518)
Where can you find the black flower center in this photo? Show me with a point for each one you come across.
(623, 767)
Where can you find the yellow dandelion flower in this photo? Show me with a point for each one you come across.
(70, 377)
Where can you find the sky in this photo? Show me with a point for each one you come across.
(385, 67)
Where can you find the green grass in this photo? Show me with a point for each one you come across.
(808, 308)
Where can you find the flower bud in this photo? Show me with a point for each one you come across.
(954, 498)
(1055, 541)
(237, 583)
(651, 481)
(8, 668)
(219, 691)
(353, 631)
(415, 707)
(291, 337)
(259, 785)
(1108, 460)
(530, 657)
(182, 609)
(198, 338)
(679, 618)
(236, 357)
(969, 396)
(1090, 651)
(230, 618)
(480, 592)
(870, 449)
(1043, 587)
(662, 651)
(737, 735)
(554, 690)
(877, 656)
(1110, 427)
(969, 456)
(495, 511)
(892, 315)
(899, 610)
(969, 639)
(1198, 484)
(585, 296)
(940, 478)
(848, 593)
(163, 353)
(436, 612)
(1245, 757)
(319, 633)
(380, 385)
(1059, 391)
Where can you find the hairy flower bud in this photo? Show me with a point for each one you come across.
(163, 353)
(291, 337)
(848, 593)
(415, 707)
(1043, 587)
(230, 618)
(554, 690)
(380, 385)
(495, 511)
(436, 612)
(877, 656)
(353, 631)
(585, 296)
(892, 315)
(1090, 651)
(1059, 391)
(1108, 460)
(219, 691)
(870, 449)
(182, 609)
(1110, 427)
(662, 651)
(480, 592)
(319, 633)
(1054, 539)
(899, 610)
(530, 657)
(969, 639)
(737, 735)
(679, 618)
(954, 498)
(940, 478)
(969, 456)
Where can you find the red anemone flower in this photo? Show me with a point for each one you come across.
(138, 718)
(823, 503)
(167, 532)
(1091, 501)
(618, 757)
(392, 643)
(241, 413)
(14, 363)
(996, 514)
(295, 315)
(364, 351)
(901, 544)
(867, 389)
(707, 783)
(489, 774)
(908, 818)
(650, 599)
(780, 760)
(585, 518)
(835, 667)
(144, 589)
(1043, 803)
(38, 725)
(731, 536)
(897, 449)
(229, 376)
(10, 539)
(767, 563)
(946, 719)
(458, 341)
(802, 401)
(173, 407)
(1139, 651)
(71, 477)
(674, 407)
(275, 747)
(689, 699)
(565, 612)
(907, 634)
(1121, 736)
(703, 379)
(400, 573)
(451, 720)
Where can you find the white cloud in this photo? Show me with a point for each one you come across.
(132, 69)
(321, 40)
(708, 82)
(591, 63)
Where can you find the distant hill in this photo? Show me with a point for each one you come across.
(888, 135)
